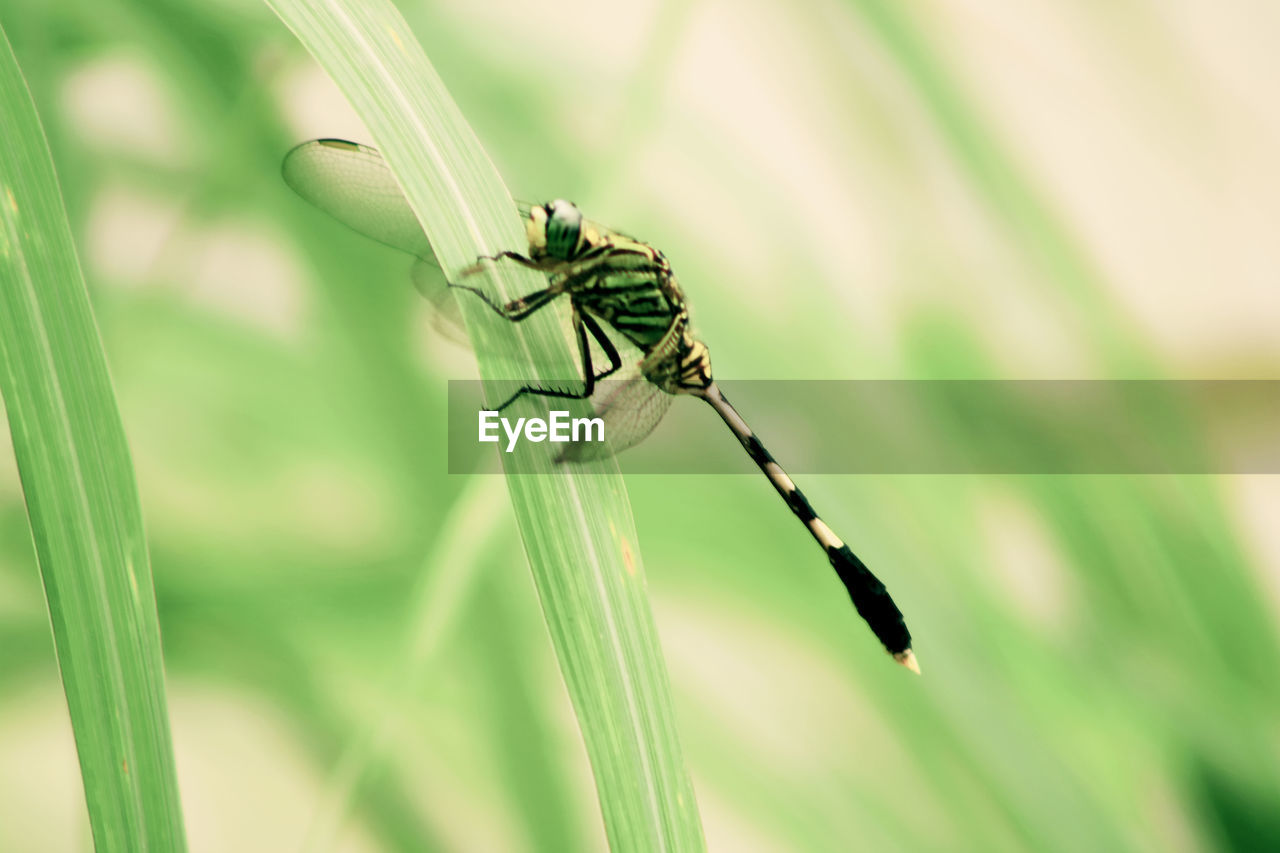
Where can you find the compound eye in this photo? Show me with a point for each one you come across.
(564, 225)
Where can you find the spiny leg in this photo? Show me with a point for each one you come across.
(602, 338)
(583, 323)
(547, 266)
(522, 309)
(870, 598)
(586, 262)
(516, 257)
(517, 309)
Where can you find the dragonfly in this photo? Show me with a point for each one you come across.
(623, 297)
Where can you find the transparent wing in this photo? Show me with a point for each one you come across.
(630, 409)
(354, 185)
(446, 316)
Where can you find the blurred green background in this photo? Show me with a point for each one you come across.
(864, 189)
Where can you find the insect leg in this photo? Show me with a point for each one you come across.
(521, 309)
(588, 370)
(610, 350)
(517, 309)
(549, 266)
(501, 256)
(587, 262)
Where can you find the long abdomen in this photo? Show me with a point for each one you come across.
(870, 598)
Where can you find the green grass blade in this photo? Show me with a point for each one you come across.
(81, 497)
(576, 526)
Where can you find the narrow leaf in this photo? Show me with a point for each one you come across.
(576, 524)
(82, 500)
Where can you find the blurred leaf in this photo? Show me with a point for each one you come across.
(82, 500)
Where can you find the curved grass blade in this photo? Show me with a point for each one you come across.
(576, 526)
(81, 498)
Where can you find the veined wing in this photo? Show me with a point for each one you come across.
(354, 185)
(630, 409)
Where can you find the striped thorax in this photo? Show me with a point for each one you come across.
(626, 283)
